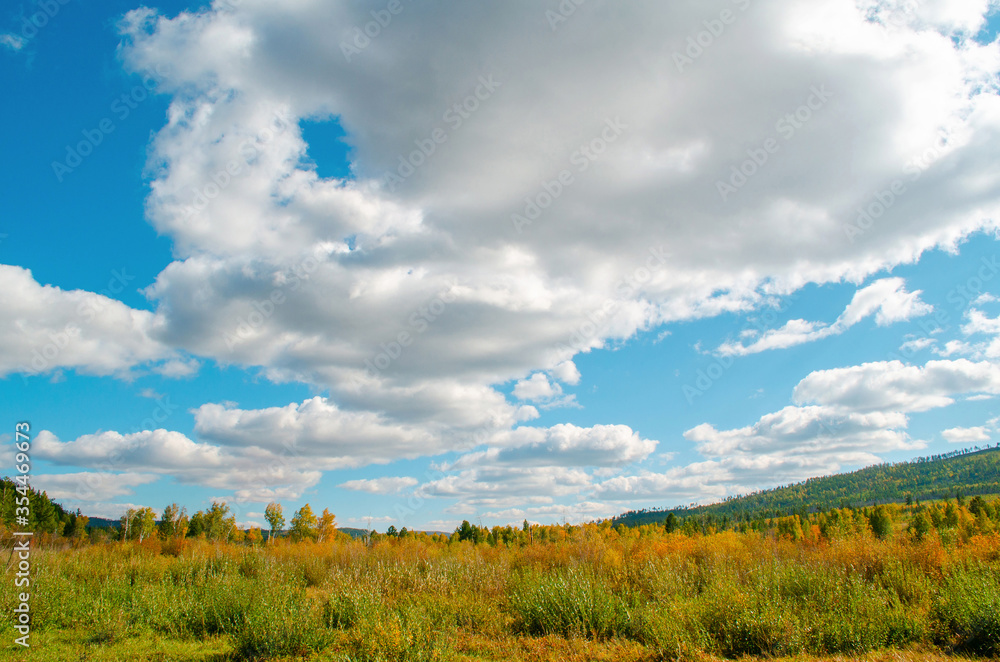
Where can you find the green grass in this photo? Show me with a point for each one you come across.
(392, 603)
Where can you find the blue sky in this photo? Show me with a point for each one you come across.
(755, 338)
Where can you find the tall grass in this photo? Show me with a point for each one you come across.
(726, 594)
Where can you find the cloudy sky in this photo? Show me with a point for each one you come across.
(421, 263)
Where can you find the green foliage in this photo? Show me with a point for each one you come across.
(571, 603)
(967, 611)
(275, 517)
(880, 521)
(44, 516)
(304, 524)
(279, 625)
(938, 477)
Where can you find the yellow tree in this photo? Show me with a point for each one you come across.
(275, 517)
(303, 524)
(254, 536)
(326, 526)
(143, 523)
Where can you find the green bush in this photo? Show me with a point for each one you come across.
(967, 612)
(279, 626)
(570, 602)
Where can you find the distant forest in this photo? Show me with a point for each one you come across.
(968, 472)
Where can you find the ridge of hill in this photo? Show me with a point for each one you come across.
(970, 472)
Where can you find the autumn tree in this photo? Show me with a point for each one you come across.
(174, 522)
(138, 524)
(80, 522)
(303, 524)
(275, 518)
(326, 525)
(196, 527)
(219, 524)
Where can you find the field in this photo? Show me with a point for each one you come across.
(590, 592)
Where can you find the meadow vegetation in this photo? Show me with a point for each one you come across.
(921, 579)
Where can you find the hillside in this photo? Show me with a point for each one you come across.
(970, 472)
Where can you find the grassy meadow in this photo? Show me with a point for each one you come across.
(792, 589)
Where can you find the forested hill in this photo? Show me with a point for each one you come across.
(40, 513)
(969, 472)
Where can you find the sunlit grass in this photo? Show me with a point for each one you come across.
(643, 597)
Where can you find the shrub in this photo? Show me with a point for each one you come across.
(967, 611)
(572, 602)
(278, 626)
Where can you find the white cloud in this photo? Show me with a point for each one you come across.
(386, 485)
(330, 437)
(317, 280)
(375, 255)
(12, 41)
(506, 486)
(895, 386)
(980, 323)
(859, 413)
(916, 345)
(47, 328)
(252, 473)
(583, 511)
(567, 373)
(90, 486)
(537, 387)
(887, 299)
(697, 482)
(985, 297)
(562, 445)
(966, 435)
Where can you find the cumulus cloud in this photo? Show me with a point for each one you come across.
(895, 386)
(359, 262)
(86, 486)
(386, 485)
(887, 299)
(47, 328)
(251, 473)
(537, 387)
(407, 301)
(857, 413)
(582, 511)
(567, 373)
(506, 486)
(562, 445)
(966, 435)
